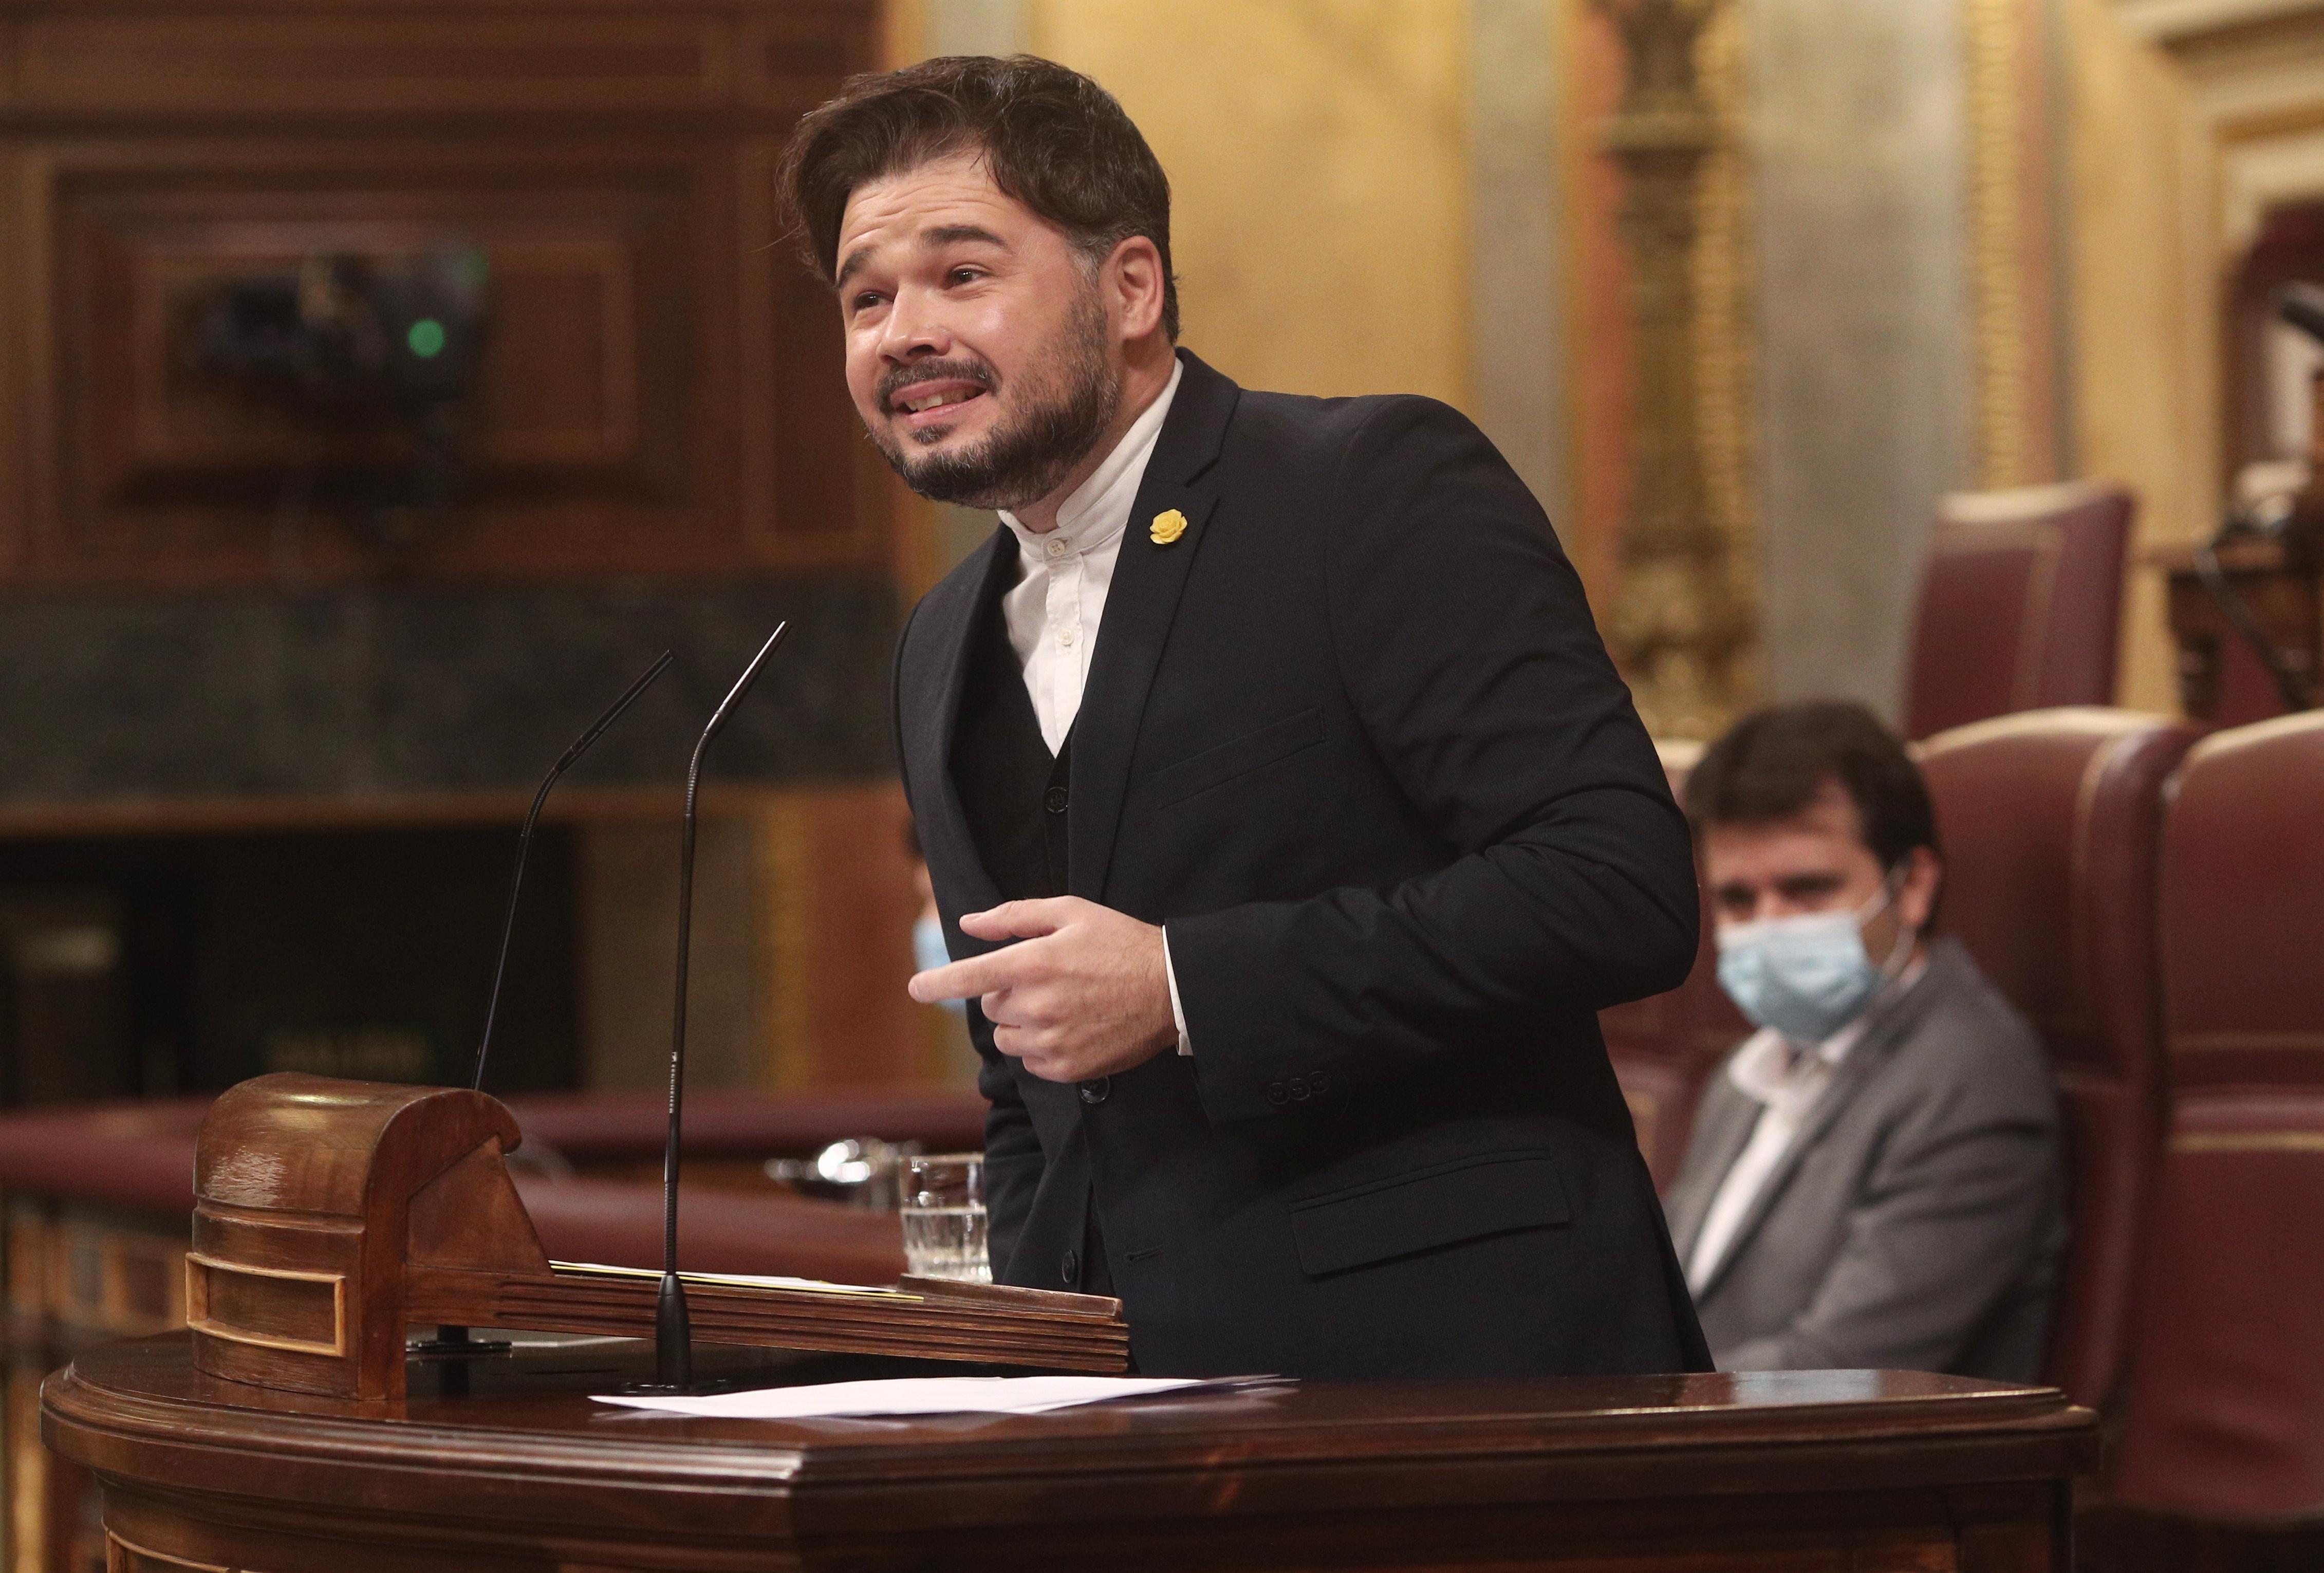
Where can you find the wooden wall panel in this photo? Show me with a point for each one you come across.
(809, 477)
(595, 272)
(432, 58)
(788, 56)
(662, 389)
(15, 331)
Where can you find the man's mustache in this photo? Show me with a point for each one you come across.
(934, 371)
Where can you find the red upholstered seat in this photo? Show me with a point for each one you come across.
(619, 1223)
(139, 1157)
(603, 1127)
(2226, 1413)
(1665, 1047)
(2020, 604)
(2051, 822)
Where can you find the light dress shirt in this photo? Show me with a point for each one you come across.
(1786, 1081)
(1055, 607)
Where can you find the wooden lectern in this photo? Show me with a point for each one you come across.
(281, 1434)
(329, 1216)
(518, 1472)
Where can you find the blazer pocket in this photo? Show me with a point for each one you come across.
(1442, 1205)
(1174, 784)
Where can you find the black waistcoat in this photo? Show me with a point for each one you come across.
(1013, 791)
(1015, 795)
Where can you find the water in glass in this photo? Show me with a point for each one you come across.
(946, 1243)
(943, 1217)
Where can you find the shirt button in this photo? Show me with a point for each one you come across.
(1070, 1269)
(1056, 548)
(1067, 636)
(1055, 799)
(1096, 1092)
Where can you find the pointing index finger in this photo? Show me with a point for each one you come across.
(964, 980)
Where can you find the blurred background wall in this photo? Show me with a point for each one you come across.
(1938, 244)
(1743, 288)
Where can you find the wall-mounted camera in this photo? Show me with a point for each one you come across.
(358, 342)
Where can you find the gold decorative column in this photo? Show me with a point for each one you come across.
(1680, 623)
(2012, 255)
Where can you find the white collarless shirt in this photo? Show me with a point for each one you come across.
(1785, 1080)
(1057, 604)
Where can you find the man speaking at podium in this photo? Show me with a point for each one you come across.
(1288, 823)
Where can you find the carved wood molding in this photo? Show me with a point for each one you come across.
(659, 388)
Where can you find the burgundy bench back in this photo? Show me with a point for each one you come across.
(2226, 1382)
(2051, 825)
(2020, 606)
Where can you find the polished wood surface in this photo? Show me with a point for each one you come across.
(310, 1195)
(507, 1464)
(331, 1214)
(98, 1200)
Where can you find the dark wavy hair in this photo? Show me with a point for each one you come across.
(1053, 140)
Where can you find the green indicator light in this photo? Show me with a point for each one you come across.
(426, 339)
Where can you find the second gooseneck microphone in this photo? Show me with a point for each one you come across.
(566, 762)
(673, 1336)
(451, 1338)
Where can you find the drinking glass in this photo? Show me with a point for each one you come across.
(943, 1217)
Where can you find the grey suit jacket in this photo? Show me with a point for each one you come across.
(1918, 1219)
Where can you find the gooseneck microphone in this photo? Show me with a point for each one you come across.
(452, 1339)
(673, 1338)
(581, 746)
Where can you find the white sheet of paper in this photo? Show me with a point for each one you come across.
(921, 1395)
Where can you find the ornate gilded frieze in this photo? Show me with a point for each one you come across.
(1680, 624)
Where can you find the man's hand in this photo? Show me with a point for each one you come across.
(1083, 993)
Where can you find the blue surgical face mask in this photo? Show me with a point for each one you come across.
(1806, 977)
(928, 953)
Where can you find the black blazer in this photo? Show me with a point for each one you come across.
(1354, 740)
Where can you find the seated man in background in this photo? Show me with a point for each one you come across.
(1875, 1175)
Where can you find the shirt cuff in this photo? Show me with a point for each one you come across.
(1177, 1011)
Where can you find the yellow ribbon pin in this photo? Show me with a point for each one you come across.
(1168, 525)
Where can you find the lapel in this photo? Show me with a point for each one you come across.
(1726, 1125)
(1139, 607)
(951, 634)
(1880, 1041)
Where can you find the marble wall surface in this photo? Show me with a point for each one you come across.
(1858, 150)
(1412, 194)
(1520, 350)
(404, 690)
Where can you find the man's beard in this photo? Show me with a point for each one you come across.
(1064, 407)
